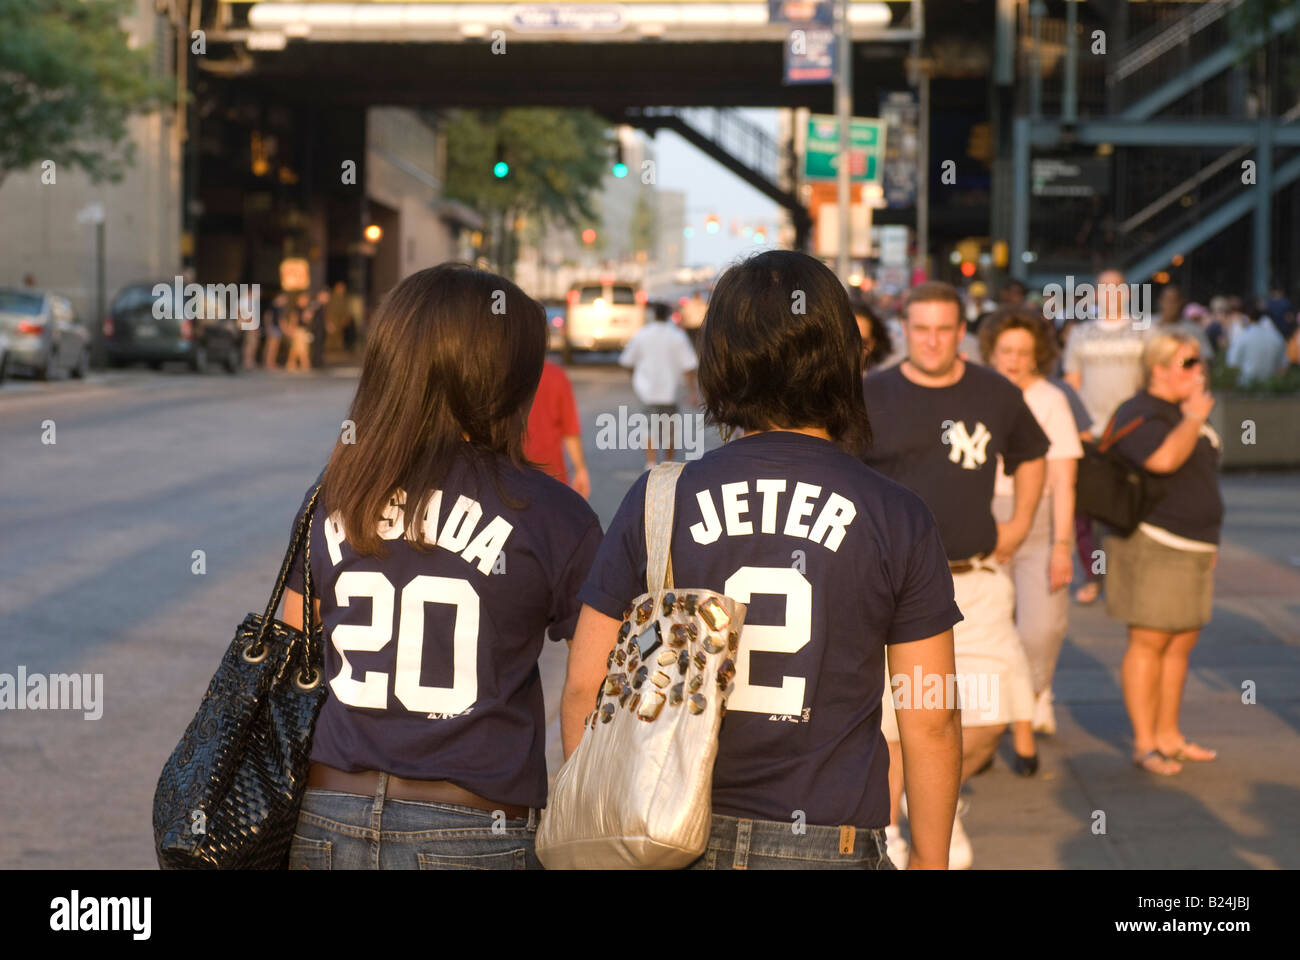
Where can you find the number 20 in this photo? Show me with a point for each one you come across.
(758, 637)
(372, 690)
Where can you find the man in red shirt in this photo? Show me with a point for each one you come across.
(553, 429)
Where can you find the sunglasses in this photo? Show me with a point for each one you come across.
(1190, 362)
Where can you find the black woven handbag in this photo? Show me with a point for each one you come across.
(228, 796)
(1112, 490)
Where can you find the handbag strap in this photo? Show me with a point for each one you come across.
(1112, 437)
(660, 500)
(299, 542)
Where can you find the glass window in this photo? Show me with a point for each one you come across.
(15, 301)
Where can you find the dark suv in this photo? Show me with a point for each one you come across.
(149, 327)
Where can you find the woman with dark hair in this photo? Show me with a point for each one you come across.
(837, 564)
(876, 343)
(441, 560)
(1018, 344)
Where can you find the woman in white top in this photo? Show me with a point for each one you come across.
(1017, 344)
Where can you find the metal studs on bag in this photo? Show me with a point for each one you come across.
(643, 652)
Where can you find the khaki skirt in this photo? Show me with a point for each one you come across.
(1151, 585)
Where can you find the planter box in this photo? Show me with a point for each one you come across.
(1276, 433)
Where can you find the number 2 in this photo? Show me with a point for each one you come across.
(765, 638)
(372, 691)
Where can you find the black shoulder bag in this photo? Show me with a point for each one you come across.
(1110, 488)
(228, 796)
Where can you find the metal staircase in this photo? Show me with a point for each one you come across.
(1181, 120)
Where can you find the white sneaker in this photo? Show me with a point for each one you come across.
(1044, 716)
(960, 855)
(896, 846)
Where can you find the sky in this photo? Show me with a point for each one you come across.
(711, 188)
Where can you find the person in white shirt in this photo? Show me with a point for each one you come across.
(661, 358)
(1257, 351)
(1018, 344)
(1103, 363)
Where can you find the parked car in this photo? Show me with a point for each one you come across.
(142, 326)
(603, 316)
(41, 333)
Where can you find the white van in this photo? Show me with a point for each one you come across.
(603, 316)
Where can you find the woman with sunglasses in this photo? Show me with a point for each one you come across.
(1161, 580)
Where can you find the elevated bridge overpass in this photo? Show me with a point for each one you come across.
(607, 56)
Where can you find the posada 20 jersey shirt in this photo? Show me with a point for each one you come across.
(835, 561)
(431, 657)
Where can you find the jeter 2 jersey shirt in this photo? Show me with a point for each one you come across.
(431, 657)
(834, 561)
(944, 442)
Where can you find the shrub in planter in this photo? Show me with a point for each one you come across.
(1259, 423)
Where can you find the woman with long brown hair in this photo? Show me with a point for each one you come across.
(441, 560)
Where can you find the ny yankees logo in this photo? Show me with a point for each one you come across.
(968, 447)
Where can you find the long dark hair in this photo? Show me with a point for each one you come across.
(452, 353)
(882, 344)
(781, 349)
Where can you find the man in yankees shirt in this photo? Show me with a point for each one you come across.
(940, 424)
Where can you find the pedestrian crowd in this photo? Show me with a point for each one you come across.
(299, 329)
(895, 499)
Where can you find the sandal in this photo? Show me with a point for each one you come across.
(1147, 760)
(1090, 590)
(1192, 753)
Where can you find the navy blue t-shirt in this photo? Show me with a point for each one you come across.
(834, 561)
(1192, 506)
(943, 443)
(431, 657)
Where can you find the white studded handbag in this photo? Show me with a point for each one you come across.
(636, 793)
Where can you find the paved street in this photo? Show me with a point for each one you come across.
(99, 528)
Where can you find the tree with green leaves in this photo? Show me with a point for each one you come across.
(557, 160)
(68, 83)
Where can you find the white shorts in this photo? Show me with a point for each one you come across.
(993, 679)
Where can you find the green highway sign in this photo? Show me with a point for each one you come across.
(822, 147)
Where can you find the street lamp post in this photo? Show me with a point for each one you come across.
(843, 116)
(94, 214)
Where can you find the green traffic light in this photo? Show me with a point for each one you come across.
(620, 170)
(501, 169)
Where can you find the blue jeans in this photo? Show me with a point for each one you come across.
(344, 831)
(736, 844)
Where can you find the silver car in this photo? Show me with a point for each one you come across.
(41, 333)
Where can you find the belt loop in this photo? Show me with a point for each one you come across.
(743, 830)
(532, 818)
(377, 810)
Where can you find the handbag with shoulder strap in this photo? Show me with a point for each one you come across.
(636, 793)
(1110, 488)
(228, 796)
